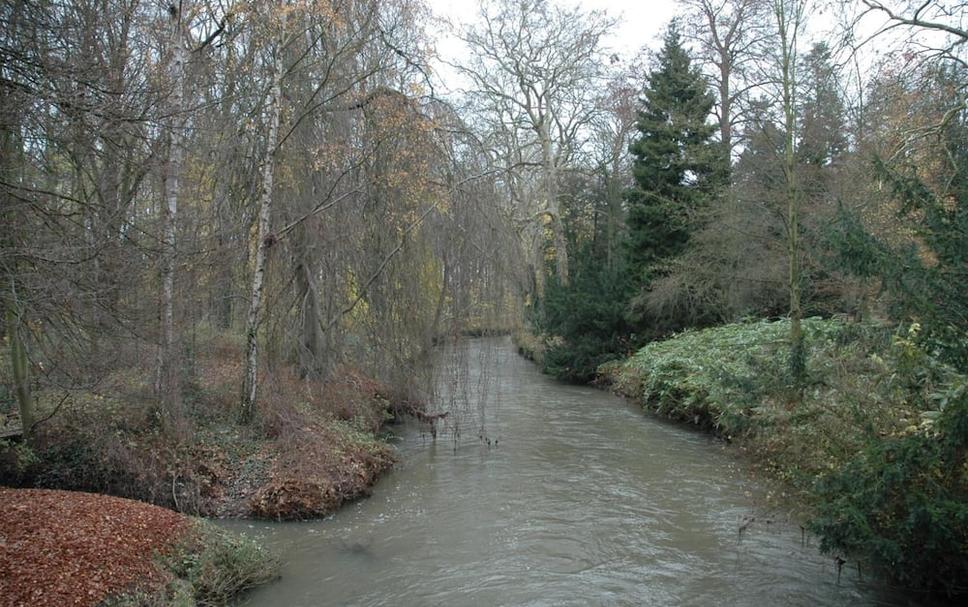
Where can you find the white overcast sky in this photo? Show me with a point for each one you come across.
(640, 23)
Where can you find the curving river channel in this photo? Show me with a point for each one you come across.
(584, 500)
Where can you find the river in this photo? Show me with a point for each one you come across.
(583, 500)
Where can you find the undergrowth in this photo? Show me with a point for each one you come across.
(313, 447)
(873, 441)
(209, 568)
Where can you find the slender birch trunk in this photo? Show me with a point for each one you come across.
(169, 389)
(250, 378)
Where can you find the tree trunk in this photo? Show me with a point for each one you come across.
(538, 261)
(551, 192)
(309, 349)
(725, 108)
(788, 75)
(223, 288)
(250, 377)
(11, 158)
(20, 368)
(169, 390)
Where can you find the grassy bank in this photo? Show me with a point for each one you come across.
(529, 345)
(315, 445)
(70, 548)
(873, 443)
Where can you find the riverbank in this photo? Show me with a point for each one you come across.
(871, 442)
(315, 445)
(871, 445)
(69, 548)
(733, 381)
(583, 501)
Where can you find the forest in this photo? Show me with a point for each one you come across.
(237, 238)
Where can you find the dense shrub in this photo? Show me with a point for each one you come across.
(903, 505)
(876, 441)
(717, 377)
(587, 320)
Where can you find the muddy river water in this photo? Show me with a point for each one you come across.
(583, 500)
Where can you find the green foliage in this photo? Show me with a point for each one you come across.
(877, 444)
(925, 277)
(717, 377)
(210, 569)
(822, 137)
(588, 319)
(221, 565)
(903, 505)
(676, 164)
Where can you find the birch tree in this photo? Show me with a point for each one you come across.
(264, 237)
(168, 386)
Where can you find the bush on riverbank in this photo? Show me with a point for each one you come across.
(71, 548)
(903, 504)
(315, 445)
(529, 345)
(733, 377)
(874, 443)
(208, 567)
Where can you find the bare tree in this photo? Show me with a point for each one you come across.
(790, 18)
(612, 128)
(264, 237)
(534, 67)
(729, 35)
(168, 386)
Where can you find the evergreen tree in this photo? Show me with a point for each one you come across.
(926, 275)
(823, 138)
(677, 165)
(587, 316)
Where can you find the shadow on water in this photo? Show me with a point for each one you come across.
(579, 499)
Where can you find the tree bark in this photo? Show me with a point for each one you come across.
(20, 368)
(169, 390)
(251, 364)
(309, 349)
(788, 40)
(551, 192)
(11, 158)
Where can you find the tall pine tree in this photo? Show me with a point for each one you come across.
(677, 165)
(823, 134)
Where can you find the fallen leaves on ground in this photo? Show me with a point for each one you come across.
(62, 548)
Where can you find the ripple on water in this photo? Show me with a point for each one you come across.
(587, 501)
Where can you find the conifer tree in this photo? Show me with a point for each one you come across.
(822, 137)
(676, 165)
